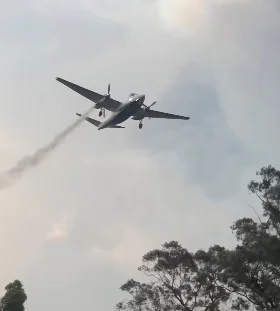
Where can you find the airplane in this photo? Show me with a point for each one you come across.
(121, 111)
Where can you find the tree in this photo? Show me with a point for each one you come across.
(14, 298)
(252, 269)
(248, 275)
(179, 282)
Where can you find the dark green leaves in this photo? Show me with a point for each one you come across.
(14, 298)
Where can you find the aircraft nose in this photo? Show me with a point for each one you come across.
(142, 98)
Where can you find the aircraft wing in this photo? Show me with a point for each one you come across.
(110, 104)
(96, 122)
(161, 115)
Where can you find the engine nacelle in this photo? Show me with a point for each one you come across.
(138, 118)
(101, 102)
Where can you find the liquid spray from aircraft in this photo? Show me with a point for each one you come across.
(9, 177)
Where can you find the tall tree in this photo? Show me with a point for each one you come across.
(14, 298)
(252, 269)
(179, 282)
(248, 275)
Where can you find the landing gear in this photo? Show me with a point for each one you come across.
(140, 124)
(102, 112)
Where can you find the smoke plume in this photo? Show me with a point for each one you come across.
(186, 17)
(9, 177)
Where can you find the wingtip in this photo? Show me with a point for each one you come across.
(78, 114)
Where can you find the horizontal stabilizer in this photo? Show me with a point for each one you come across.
(97, 123)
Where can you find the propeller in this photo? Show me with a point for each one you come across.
(108, 95)
(102, 100)
(149, 107)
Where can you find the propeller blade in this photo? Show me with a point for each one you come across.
(148, 108)
(109, 88)
(152, 104)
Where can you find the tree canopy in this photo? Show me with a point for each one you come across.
(245, 277)
(14, 298)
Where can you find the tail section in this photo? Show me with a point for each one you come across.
(90, 120)
(97, 123)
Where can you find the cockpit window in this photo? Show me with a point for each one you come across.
(131, 96)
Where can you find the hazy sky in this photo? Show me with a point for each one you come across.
(74, 229)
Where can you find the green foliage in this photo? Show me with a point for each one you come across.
(247, 276)
(268, 191)
(179, 282)
(253, 268)
(14, 298)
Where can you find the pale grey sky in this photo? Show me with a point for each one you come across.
(74, 229)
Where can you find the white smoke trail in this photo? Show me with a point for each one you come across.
(9, 177)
